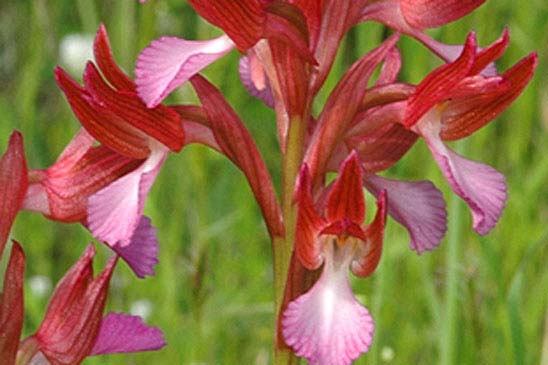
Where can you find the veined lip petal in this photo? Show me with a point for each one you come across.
(327, 325)
(482, 187)
(141, 253)
(122, 333)
(115, 211)
(418, 206)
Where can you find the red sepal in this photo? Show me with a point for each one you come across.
(463, 117)
(382, 147)
(369, 252)
(75, 312)
(100, 122)
(422, 14)
(343, 229)
(11, 306)
(341, 108)
(312, 10)
(308, 225)
(345, 200)
(69, 183)
(435, 87)
(103, 56)
(238, 145)
(13, 185)
(288, 39)
(160, 122)
(241, 20)
(493, 52)
(337, 16)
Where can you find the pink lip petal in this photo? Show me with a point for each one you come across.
(482, 187)
(115, 211)
(327, 325)
(418, 206)
(169, 61)
(141, 254)
(122, 333)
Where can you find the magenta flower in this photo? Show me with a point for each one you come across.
(454, 101)
(62, 191)
(327, 325)
(169, 61)
(412, 17)
(73, 327)
(114, 115)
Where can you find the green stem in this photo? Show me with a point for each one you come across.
(448, 336)
(283, 247)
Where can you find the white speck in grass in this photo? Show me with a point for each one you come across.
(40, 286)
(262, 357)
(387, 354)
(74, 51)
(142, 308)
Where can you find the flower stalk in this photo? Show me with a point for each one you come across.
(284, 247)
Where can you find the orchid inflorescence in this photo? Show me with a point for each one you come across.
(317, 225)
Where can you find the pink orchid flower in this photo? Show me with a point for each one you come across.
(454, 101)
(451, 103)
(110, 110)
(62, 191)
(73, 327)
(327, 325)
(412, 17)
(169, 61)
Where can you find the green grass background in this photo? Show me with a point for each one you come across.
(474, 300)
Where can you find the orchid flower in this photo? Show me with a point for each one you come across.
(412, 17)
(62, 191)
(327, 325)
(454, 101)
(169, 61)
(73, 327)
(115, 116)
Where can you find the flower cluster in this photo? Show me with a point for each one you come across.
(317, 226)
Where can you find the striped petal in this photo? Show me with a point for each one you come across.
(327, 325)
(115, 211)
(482, 187)
(121, 333)
(168, 62)
(418, 206)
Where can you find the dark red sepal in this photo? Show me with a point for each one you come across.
(100, 122)
(241, 20)
(103, 56)
(436, 86)
(73, 318)
(345, 200)
(13, 185)
(369, 252)
(309, 223)
(160, 122)
(463, 117)
(238, 145)
(11, 306)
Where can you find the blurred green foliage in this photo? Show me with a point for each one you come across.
(212, 294)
